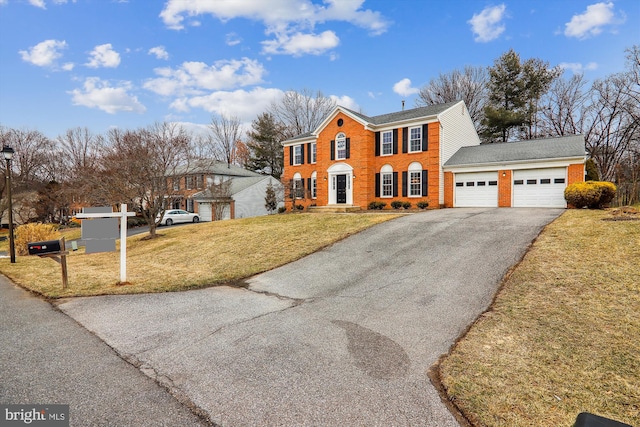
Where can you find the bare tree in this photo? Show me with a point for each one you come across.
(302, 111)
(221, 142)
(562, 109)
(136, 166)
(468, 85)
(220, 193)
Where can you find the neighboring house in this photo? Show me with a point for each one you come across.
(531, 173)
(351, 160)
(240, 193)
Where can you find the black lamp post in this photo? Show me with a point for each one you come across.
(7, 152)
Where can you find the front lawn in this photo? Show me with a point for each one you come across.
(191, 256)
(563, 335)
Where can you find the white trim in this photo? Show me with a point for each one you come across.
(382, 133)
(419, 150)
(515, 165)
(340, 169)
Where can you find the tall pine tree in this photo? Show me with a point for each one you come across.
(265, 152)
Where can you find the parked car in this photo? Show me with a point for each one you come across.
(174, 216)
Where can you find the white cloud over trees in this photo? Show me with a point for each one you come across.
(97, 93)
(487, 25)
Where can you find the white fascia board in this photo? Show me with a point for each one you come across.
(334, 113)
(516, 165)
(312, 138)
(402, 124)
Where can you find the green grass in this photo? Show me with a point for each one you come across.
(191, 256)
(563, 335)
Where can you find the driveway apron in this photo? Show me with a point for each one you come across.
(342, 337)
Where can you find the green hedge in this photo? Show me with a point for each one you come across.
(592, 194)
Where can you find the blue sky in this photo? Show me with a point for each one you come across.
(128, 64)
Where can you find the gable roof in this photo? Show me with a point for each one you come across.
(214, 167)
(236, 185)
(534, 149)
(380, 120)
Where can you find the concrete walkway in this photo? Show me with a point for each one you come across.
(340, 338)
(48, 358)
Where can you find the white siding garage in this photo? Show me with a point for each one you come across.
(539, 188)
(476, 189)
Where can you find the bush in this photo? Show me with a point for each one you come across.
(406, 205)
(300, 207)
(282, 209)
(422, 205)
(592, 194)
(377, 205)
(34, 232)
(136, 221)
(396, 204)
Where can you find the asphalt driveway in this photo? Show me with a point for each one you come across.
(342, 337)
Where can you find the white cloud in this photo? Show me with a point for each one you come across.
(590, 22)
(97, 93)
(103, 56)
(232, 39)
(487, 24)
(578, 68)
(45, 53)
(38, 3)
(68, 66)
(345, 101)
(403, 88)
(194, 77)
(245, 105)
(291, 21)
(298, 44)
(160, 52)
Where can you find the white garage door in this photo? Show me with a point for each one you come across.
(477, 189)
(539, 188)
(204, 210)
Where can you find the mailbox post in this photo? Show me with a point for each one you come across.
(54, 249)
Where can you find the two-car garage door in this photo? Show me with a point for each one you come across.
(530, 188)
(539, 188)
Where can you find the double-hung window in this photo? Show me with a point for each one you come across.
(341, 146)
(314, 186)
(387, 184)
(415, 139)
(313, 152)
(415, 183)
(297, 155)
(387, 143)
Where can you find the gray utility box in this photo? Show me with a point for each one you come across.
(41, 248)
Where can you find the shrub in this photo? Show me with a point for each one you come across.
(300, 207)
(591, 170)
(136, 221)
(377, 205)
(282, 209)
(406, 205)
(422, 205)
(592, 194)
(396, 204)
(34, 232)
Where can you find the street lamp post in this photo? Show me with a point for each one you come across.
(7, 152)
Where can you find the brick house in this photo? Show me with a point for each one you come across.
(351, 160)
(196, 188)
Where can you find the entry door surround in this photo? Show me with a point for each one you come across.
(340, 177)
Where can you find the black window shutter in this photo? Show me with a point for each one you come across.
(395, 141)
(377, 143)
(395, 184)
(377, 185)
(309, 153)
(333, 150)
(348, 148)
(425, 137)
(290, 154)
(302, 154)
(404, 184)
(405, 139)
(424, 182)
(309, 183)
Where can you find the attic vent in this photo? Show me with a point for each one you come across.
(340, 122)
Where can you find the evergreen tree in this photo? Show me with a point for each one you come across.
(270, 199)
(266, 153)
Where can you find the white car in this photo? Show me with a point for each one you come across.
(174, 216)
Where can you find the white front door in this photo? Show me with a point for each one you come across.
(476, 189)
(539, 188)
